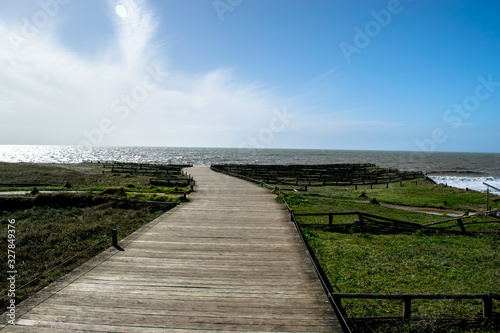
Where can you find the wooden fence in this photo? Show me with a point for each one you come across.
(487, 309)
(319, 175)
(161, 174)
(364, 221)
(370, 222)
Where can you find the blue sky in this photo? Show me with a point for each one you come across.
(326, 74)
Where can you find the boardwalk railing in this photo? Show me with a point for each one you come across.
(114, 243)
(334, 302)
(369, 221)
(487, 309)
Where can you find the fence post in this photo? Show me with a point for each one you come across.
(361, 222)
(487, 306)
(487, 195)
(406, 310)
(461, 225)
(330, 219)
(396, 225)
(114, 238)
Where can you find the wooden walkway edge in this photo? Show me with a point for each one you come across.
(228, 261)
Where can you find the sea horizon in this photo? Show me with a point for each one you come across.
(250, 148)
(457, 169)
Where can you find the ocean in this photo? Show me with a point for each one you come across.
(462, 170)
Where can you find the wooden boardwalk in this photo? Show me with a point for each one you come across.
(229, 261)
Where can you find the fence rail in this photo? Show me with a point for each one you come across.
(114, 243)
(319, 175)
(487, 309)
(160, 174)
(366, 221)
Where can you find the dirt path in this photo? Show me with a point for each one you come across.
(436, 211)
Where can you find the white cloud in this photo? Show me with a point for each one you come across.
(136, 27)
(50, 95)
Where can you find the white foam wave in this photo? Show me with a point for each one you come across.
(473, 183)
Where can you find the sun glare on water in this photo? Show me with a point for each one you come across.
(121, 11)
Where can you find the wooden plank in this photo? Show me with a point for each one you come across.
(229, 260)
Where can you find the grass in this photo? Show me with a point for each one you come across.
(47, 236)
(425, 194)
(307, 204)
(403, 263)
(61, 225)
(447, 264)
(81, 177)
(302, 203)
(85, 175)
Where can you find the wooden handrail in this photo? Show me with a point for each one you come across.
(407, 298)
(325, 214)
(414, 296)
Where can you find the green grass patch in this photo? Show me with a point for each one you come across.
(302, 203)
(425, 194)
(47, 236)
(83, 176)
(158, 197)
(53, 228)
(360, 262)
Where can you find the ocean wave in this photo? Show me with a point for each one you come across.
(456, 172)
(470, 182)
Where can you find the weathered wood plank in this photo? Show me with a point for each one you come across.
(229, 260)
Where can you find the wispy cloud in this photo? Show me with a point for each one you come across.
(50, 95)
(135, 26)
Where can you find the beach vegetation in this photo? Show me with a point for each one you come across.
(52, 229)
(418, 262)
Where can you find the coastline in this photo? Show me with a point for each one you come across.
(461, 170)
